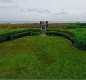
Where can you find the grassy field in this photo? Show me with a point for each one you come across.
(41, 58)
(32, 25)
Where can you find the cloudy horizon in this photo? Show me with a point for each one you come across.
(36, 10)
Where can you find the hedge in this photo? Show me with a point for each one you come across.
(63, 34)
(78, 40)
(74, 25)
(77, 37)
(18, 34)
(14, 36)
(4, 37)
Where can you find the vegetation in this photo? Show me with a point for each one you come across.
(73, 31)
(34, 25)
(13, 26)
(43, 57)
(37, 57)
(76, 35)
(8, 34)
(74, 25)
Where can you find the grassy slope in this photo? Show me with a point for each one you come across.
(3, 31)
(39, 57)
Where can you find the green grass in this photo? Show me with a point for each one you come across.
(39, 57)
(5, 31)
(77, 35)
(10, 34)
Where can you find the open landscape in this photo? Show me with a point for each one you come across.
(42, 39)
(27, 54)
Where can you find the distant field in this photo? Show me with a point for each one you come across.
(37, 25)
(34, 25)
(41, 58)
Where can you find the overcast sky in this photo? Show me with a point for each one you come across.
(36, 10)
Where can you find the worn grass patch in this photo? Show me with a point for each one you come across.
(41, 58)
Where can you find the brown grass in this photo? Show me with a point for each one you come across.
(34, 25)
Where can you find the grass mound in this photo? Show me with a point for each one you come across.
(41, 58)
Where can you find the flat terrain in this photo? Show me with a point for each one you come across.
(40, 58)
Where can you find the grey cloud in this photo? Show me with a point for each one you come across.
(29, 9)
(4, 7)
(9, 7)
(44, 11)
(35, 10)
(5, 1)
(57, 10)
(47, 11)
(83, 13)
(39, 10)
(61, 13)
(22, 10)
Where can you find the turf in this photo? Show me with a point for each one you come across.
(38, 57)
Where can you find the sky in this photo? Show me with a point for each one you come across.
(37, 10)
